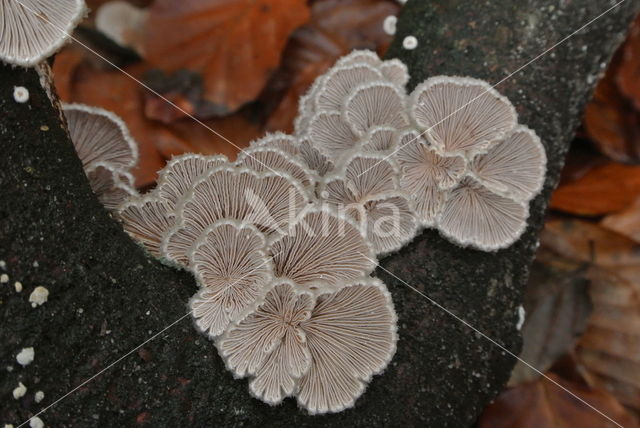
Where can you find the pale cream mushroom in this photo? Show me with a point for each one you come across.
(358, 56)
(339, 81)
(389, 222)
(395, 71)
(268, 200)
(266, 158)
(33, 30)
(231, 265)
(100, 136)
(111, 185)
(514, 167)
(461, 115)
(351, 336)
(331, 135)
(176, 178)
(322, 249)
(426, 176)
(374, 104)
(476, 217)
(314, 159)
(146, 220)
(380, 139)
(278, 140)
(269, 344)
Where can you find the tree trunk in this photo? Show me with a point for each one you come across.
(107, 296)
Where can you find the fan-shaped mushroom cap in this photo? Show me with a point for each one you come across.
(177, 243)
(380, 139)
(461, 114)
(351, 335)
(111, 185)
(474, 216)
(323, 247)
(278, 140)
(374, 104)
(176, 178)
(100, 136)
(146, 220)
(339, 81)
(425, 175)
(514, 167)
(269, 343)
(359, 56)
(314, 159)
(266, 158)
(230, 262)
(395, 71)
(389, 222)
(330, 135)
(33, 30)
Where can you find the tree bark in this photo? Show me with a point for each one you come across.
(107, 296)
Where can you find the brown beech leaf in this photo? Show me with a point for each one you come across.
(542, 404)
(234, 45)
(609, 351)
(602, 190)
(557, 307)
(626, 222)
(336, 28)
(629, 73)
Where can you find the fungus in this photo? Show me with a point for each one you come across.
(146, 220)
(269, 344)
(389, 222)
(474, 216)
(177, 243)
(374, 104)
(33, 30)
(19, 391)
(322, 249)
(357, 56)
(379, 139)
(111, 185)
(265, 158)
(395, 71)
(100, 136)
(314, 159)
(176, 178)
(330, 135)
(389, 24)
(425, 175)
(20, 94)
(265, 199)
(278, 140)
(338, 82)
(461, 114)
(351, 336)
(410, 43)
(25, 356)
(38, 296)
(514, 167)
(4, 278)
(18, 286)
(231, 264)
(38, 396)
(36, 422)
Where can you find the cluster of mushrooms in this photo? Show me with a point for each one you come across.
(283, 241)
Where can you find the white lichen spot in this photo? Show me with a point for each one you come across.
(389, 25)
(3, 264)
(36, 422)
(4, 278)
(20, 94)
(38, 296)
(410, 43)
(39, 396)
(521, 317)
(8, 426)
(36, 264)
(18, 286)
(19, 391)
(25, 357)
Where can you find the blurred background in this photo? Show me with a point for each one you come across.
(240, 66)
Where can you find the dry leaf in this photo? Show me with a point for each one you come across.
(628, 76)
(336, 28)
(542, 404)
(609, 350)
(557, 307)
(626, 222)
(234, 45)
(602, 190)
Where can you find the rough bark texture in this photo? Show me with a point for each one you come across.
(107, 297)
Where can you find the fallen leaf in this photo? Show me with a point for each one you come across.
(602, 190)
(557, 307)
(336, 28)
(235, 46)
(542, 404)
(626, 222)
(609, 350)
(628, 76)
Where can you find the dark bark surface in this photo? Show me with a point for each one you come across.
(107, 297)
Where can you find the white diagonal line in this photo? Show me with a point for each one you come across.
(510, 75)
